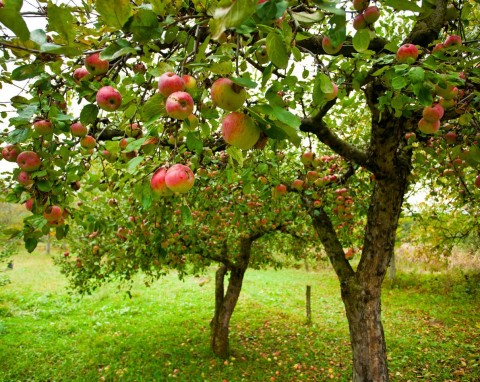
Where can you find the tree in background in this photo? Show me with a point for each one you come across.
(370, 88)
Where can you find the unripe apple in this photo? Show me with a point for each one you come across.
(191, 122)
(307, 158)
(24, 178)
(179, 178)
(261, 55)
(428, 127)
(95, 65)
(407, 54)
(333, 94)
(448, 92)
(227, 95)
(79, 74)
(78, 130)
(190, 83)
(179, 105)
(452, 40)
(359, 22)
(108, 98)
(433, 113)
(447, 103)
(452, 13)
(371, 14)
(88, 142)
(133, 130)
(169, 83)
(157, 182)
(328, 46)
(53, 213)
(360, 5)
(10, 153)
(43, 127)
(239, 130)
(29, 161)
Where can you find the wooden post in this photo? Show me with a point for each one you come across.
(309, 306)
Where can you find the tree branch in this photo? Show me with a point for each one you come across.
(426, 30)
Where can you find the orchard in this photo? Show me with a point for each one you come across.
(161, 135)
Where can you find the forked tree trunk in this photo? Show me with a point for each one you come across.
(225, 302)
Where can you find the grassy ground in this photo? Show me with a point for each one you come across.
(432, 326)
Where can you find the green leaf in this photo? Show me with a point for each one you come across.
(222, 68)
(144, 26)
(117, 49)
(153, 108)
(186, 215)
(423, 93)
(193, 143)
(232, 16)
(361, 40)
(30, 244)
(399, 82)
(115, 13)
(236, 154)
(286, 117)
(323, 84)
(288, 132)
(403, 5)
(133, 164)
(44, 185)
(61, 20)
(277, 50)
(18, 135)
(25, 72)
(245, 82)
(10, 17)
(88, 114)
(416, 74)
(308, 18)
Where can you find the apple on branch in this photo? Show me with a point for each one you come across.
(53, 213)
(24, 178)
(169, 83)
(29, 161)
(88, 142)
(407, 54)
(43, 127)
(427, 127)
(371, 14)
(227, 95)
(179, 105)
(239, 130)
(80, 74)
(360, 5)
(157, 182)
(179, 178)
(10, 153)
(95, 65)
(108, 98)
(78, 130)
(328, 46)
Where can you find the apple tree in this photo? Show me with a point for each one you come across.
(373, 86)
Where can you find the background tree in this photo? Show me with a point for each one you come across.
(360, 80)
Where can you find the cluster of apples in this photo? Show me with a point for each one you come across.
(367, 14)
(108, 98)
(179, 178)
(177, 91)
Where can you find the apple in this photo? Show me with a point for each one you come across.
(29, 161)
(227, 95)
(108, 98)
(24, 178)
(191, 122)
(428, 127)
(451, 137)
(433, 113)
(133, 130)
(261, 2)
(53, 213)
(333, 94)
(79, 74)
(95, 65)
(169, 83)
(359, 22)
(78, 130)
(139, 67)
(452, 40)
(29, 204)
(43, 127)
(88, 142)
(448, 92)
(157, 182)
(410, 136)
(328, 46)
(477, 181)
(447, 103)
(360, 5)
(307, 158)
(371, 14)
(239, 130)
(407, 54)
(452, 13)
(262, 55)
(190, 83)
(280, 190)
(10, 153)
(298, 184)
(179, 178)
(179, 105)
(438, 48)
(312, 175)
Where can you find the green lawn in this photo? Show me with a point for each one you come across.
(47, 333)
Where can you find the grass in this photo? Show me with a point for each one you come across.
(48, 333)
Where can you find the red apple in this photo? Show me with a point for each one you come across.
(280, 190)
(24, 178)
(359, 22)
(157, 182)
(29, 204)
(428, 127)
(307, 158)
(10, 153)
(88, 142)
(29, 161)
(108, 98)
(133, 130)
(169, 83)
(95, 65)
(451, 137)
(298, 184)
(43, 127)
(239, 130)
(360, 5)
(433, 113)
(328, 46)
(452, 40)
(53, 213)
(179, 105)
(371, 14)
(438, 48)
(407, 54)
(78, 130)
(79, 74)
(179, 178)
(227, 95)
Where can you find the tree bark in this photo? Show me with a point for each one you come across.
(225, 302)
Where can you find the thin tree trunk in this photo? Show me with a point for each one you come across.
(308, 302)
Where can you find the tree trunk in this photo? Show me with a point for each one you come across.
(225, 302)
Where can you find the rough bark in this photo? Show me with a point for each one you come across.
(225, 302)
